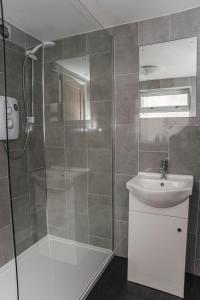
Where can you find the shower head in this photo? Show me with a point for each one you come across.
(31, 53)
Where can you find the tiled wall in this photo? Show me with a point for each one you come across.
(27, 173)
(80, 202)
(125, 41)
(84, 213)
(141, 144)
(138, 144)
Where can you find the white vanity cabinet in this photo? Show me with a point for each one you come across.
(157, 245)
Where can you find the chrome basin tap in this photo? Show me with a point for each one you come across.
(164, 168)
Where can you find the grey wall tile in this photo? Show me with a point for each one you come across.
(75, 46)
(184, 146)
(56, 198)
(6, 245)
(1, 57)
(57, 231)
(14, 61)
(3, 161)
(126, 149)
(100, 137)
(39, 224)
(38, 69)
(75, 137)
(75, 146)
(31, 41)
(36, 158)
(76, 191)
(126, 98)
(100, 160)
(51, 84)
(55, 174)
(99, 41)
(22, 218)
(55, 158)
(56, 211)
(54, 114)
(185, 24)
(54, 53)
(100, 65)
(2, 82)
(154, 134)
(190, 253)
(19, 173)
(37, 189)
(100, 216)
(12, 46)
(101, 87)
(25, 244)
(5, 217)
(121, 238)
(150, 84)
(198, 239)
(75, 157)
(100, 242)
(54, 135)
(57, 218)
(18, 37)
(37, 100)
(20, 184)
(193, 209)
(77, 227)
(121, 204)
(150, 161)
(100, 183)
(101, 113)
(125, 48)
(154, 30)
(197, 267)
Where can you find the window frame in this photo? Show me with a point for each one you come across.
(166, 109)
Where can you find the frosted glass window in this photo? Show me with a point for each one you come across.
(165, 103)
(164, 100)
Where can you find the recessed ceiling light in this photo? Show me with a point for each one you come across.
(146, 70)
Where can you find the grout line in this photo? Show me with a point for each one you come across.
(20, 196)
(100, 195)
(125, 174)
(4, 177)
(100, 149)
(154, 151)
(102, 100)
(100, 52)
(125, 74)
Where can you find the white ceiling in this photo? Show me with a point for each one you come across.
(52, 19)
(174, 59)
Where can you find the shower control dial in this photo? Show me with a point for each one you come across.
(9, 110)
(16, 108)
(10, 124)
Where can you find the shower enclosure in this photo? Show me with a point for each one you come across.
(60, 162)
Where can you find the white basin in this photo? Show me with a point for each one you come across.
(150, 189)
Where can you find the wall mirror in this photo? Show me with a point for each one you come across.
(168, 74)
(75, 88)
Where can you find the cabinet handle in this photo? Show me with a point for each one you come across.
(179, 230)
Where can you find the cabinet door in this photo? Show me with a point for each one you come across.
(157, 249)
